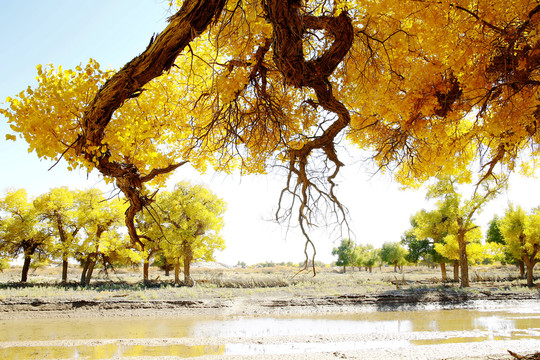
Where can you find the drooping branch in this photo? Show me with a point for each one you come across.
(289, 30)
(190, 21)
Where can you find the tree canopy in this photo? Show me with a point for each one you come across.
(252, 84)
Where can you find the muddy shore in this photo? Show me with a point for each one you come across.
(249, 306)
(257, 304)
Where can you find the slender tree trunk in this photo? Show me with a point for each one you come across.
(521, 266)
(344, 269)
(370, 269)
(167, 267)
(26, 267)
(177, 273)
(395, 266)
(443, 271)
(64, 269)
(456, 271)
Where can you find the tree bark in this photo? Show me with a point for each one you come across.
(443, 272)
(188, 257)
(530, 276)
(84, 270)
(529, 263)
(64, 270)
(26, 267)
(456, 271)
(88, 268)
(463, 260)
(177, 273)
(146, 266)
(90, 271)
(521, 266)
(395, 266)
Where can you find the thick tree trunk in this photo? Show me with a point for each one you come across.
(529, 263)
(146, 266)
(443, 272)
(187, 273)
(88, 268)
(530, 276)
(26, 267)
(90, 271)
(463, 260)
(86, 263)
(370, 268)
(188, 257)
(395, 266)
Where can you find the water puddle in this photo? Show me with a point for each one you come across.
(193, 336)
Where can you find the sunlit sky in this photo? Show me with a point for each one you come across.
(69, 32)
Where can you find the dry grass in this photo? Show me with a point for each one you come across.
(230, 283)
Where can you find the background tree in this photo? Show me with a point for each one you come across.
(449, 249)
(417, 249)
(460, 212)
(103, 239)
(393, 253)
(367, 255)
(522, 237)
(191, 219)
(59, 211)
(432, 226)
(150, 234)
(345, 253)
(21, 232)
(495, 238)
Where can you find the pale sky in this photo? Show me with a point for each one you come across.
(69, 32)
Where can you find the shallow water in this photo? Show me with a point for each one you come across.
(192, 336)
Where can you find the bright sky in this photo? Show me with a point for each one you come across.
(69, 32)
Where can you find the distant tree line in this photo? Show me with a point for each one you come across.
(448, 234)
(181, 226)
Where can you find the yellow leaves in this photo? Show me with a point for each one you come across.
(11, 137)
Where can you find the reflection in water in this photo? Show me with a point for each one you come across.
(132, 337)
(261, 327)
(108, 351)
(301, 348)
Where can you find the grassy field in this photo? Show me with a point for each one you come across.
(231, 283)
